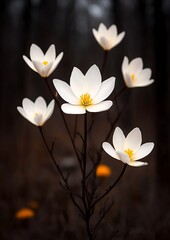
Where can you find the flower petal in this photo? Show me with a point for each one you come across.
(137, 164)
(28, 107)
(23, 113)
(123, 157)
(119, 38)
(112, 32)
(100, 107)
(128, 81)
(65, 92)
(93, 79)
(133, 140)
(110, 150)
(40, 106)
(50, 110)
(55, 63)
(72, 109)
(145, 74)
(105, 90)
(96, 35)
(144, 84)
(136, 65)
(30, 64)
(36, 54)
(144, 150)
(38, 119)
(106, 43)
(50, 54)
(42, 69)
(102, 29)
(125, 64)
(78, 83)
(118, 139)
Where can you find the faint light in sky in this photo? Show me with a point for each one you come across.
(96, 10)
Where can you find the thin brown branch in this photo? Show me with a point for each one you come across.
(104, 213)
(64, 120)
(110, 188)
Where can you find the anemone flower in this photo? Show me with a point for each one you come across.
(128, 149)
(42, 63)
(86, 92)
(134, 74)
(108, 38)
(37, 113)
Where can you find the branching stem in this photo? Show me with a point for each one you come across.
(110, 188)
(64, 120)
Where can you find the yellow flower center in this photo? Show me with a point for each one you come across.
(130, 154)
(45, 63)
(37, 115)
(85, 99)
(133, 77)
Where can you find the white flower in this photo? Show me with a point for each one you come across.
(42, 63)
(134, 74)
(86, 92)
(37, 113)
(128, 149)
(108, 38)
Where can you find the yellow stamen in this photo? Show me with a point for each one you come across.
(133, 77)
(45, 63)
(85, 100)
(129, 153)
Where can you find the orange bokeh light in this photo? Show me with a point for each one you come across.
(103, 171)
(24, 213)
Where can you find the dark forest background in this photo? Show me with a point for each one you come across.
(141, 207)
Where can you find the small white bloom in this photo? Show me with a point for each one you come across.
(37, 113)
(108, 38)
(128, 149)
(134, 74)
(42, 63)
(86, 92)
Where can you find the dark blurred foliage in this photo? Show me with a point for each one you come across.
(141, 207)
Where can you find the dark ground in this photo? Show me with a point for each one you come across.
(142, 199)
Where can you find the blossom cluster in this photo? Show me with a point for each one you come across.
(87, 92)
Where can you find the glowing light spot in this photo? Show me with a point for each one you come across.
(85, 100)
(45, 63)
(103, 171)
(130, 154)
(24, 213)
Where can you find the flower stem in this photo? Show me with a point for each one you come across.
(64, 120)
(104, 62)
(84, 162)
(84, 187)
(66, 187)
(50, 152)
(119, 93)
(110, 188)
